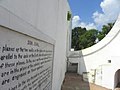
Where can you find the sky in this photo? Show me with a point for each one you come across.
(93, 13)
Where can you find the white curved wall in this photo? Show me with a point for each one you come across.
(105, 50)
(96, 58)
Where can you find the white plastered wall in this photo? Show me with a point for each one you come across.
(99, 54)
(42, 19)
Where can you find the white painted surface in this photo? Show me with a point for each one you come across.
(44, 20)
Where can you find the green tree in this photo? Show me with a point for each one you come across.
(88, 39)
(105, 31)
(76, 33)
(82, 38)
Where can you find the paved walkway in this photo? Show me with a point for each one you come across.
(74, 81)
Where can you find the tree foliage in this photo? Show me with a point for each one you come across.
(69, 16)
(82, 38)
(76, 34)
(88, 39)
(105, 31)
